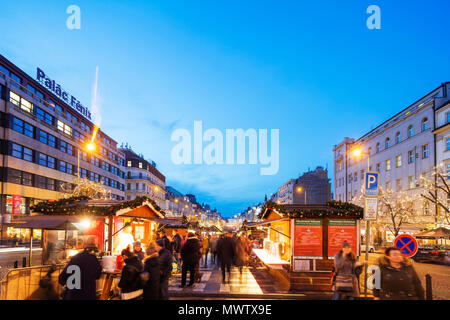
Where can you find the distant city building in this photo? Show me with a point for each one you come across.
(313, 187)
(143, 179)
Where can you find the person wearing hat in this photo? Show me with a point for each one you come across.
(152, 267)
(89, 270)
(137, 250)
(165, 265)
(346, 285)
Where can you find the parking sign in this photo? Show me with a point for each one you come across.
(371, 184)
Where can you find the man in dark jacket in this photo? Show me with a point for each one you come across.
(190, 255)
(176, 246)
(130, 280)
(399, 280)
(226, 253)
(165, 265)
(152, 268)
(81, 273)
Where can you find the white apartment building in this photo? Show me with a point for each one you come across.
(401, 149)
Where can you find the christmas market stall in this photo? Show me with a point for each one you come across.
(302, 241)
(110, 221)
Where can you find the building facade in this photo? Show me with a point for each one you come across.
(401, 149)
(43, 138)
(143, 179)
(313, 187)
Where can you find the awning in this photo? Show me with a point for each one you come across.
(438, 233)
(47, 222)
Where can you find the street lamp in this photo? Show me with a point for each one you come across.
(89, 147)
(357, 153)
(300, 189)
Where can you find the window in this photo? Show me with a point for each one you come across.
(128, 163)
(140, 165)
(45, 116)
(47, 161)
(426, 208)
(66, 147)
(425, 151)
(378, 166)
(21, 152)
(362, 174)
(388, 185)
(19, 177)
(399, 184)
(398, 160)
(64, 128)
(410, 131)
(65, 167)
(411, 182)
(447, 116)
(378, 147)
(447, 144)
(387, 143)
(24, 104)
(44, 183)
(47, 138)
(448, 170)
(355, 177)
(397, 137)
(23, 127)
(424, 124)
(410, 156)
(388, 164)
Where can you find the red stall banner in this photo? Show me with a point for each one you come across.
(340, 231)
(308, 240)
(16, 203)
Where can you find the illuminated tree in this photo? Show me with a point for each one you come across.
(85, 187)
(437, 191)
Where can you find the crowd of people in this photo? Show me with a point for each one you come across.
(145, 275)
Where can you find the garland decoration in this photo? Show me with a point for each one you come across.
(333, 209)
(69, 206)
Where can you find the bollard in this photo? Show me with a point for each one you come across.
(24, 262)
(429, 288)
(16, 264)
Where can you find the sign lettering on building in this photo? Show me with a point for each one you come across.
(61, 93)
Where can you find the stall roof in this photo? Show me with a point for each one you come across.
(435, 233)
(260, 223)
(56, 222)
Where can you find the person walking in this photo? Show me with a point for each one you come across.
(176, 246)
(190, 253)
(86, 263)
(205, 249)
(213, 248)
(130, 281)
(345, 283)
(137, 250)
(226, 254)
(399, 280)
(241, 254)
(153, 272)
(165, 265)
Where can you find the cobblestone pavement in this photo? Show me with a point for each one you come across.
(440, 275)
(253, 281)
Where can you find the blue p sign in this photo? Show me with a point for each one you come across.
(371, 184)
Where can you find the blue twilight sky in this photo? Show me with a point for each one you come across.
(311, 69)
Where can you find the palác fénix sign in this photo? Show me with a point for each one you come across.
(66, 97)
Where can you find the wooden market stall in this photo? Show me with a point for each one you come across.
(302, 241)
